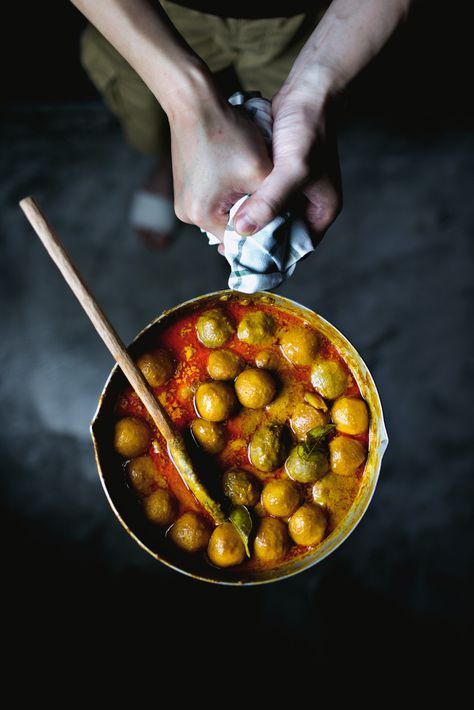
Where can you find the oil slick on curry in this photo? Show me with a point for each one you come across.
(277, 419)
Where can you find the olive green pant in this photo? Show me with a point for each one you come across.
(261, 52)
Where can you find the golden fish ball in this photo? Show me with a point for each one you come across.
(214, 328)
(306, 417)
(307, 526)
(267, 360)
(255, 388)
(215, 401)
(226, 547)
(185, 392)
(346, 455)
(335, 494)
(329, 378)
(268, 449)
(306, 470)
(257, 328)
(190, 532)
(161, 507)
(209, 435)
(241, 487)
(300, 345)
(132, 437)
(157, 367)
(223, 365)
(281, 497)
(350, 415)
(142, 474)
(271, 541)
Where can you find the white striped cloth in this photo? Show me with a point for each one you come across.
(268, 257)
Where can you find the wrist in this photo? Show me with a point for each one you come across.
(190, 85)
(314, 85)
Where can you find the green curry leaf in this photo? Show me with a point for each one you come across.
(239, 516)
(315, 441)
(318, 434)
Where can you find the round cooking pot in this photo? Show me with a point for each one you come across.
(124, 501)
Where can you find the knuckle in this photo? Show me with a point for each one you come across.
(196, 214)
(325, 212)
(190, 211)
(327, 217)
(324, 218)
(180, 213)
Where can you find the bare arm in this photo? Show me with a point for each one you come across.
(305, 155)
(349, 36)
(218, 154)
(141, 31)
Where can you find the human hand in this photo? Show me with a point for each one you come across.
(306, 174)
(218, 156)
(305, 158)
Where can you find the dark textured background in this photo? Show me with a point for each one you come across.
(394, 274)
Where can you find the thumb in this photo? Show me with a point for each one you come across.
(265, 203)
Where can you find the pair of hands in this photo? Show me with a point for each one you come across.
(219, 155)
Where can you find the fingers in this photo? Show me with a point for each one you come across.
(324, 204)
(324, 192)
(268, 200)
(213, 221)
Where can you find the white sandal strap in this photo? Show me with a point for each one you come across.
(154, 212)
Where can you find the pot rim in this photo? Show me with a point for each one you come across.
(380, 435)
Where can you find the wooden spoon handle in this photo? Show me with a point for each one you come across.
(98, 318)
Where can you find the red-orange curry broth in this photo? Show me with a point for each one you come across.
(190, 356)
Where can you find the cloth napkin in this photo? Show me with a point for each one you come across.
(268, 257)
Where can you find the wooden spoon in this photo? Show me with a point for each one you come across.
(174, 440)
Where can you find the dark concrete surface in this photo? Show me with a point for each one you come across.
(394, 274)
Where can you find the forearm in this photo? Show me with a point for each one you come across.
(348, 37)
(145, 37)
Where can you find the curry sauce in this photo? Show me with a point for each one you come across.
(277, 422)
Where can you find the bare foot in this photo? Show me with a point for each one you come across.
(152, 215)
